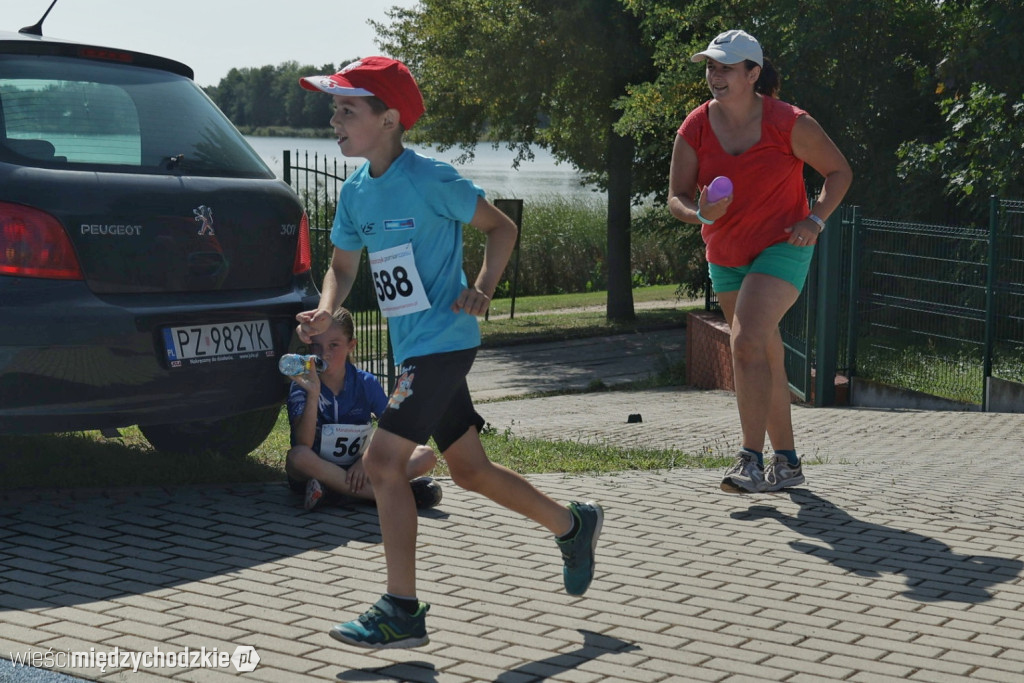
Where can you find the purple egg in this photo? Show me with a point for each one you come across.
(719, 187)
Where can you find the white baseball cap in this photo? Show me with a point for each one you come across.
(732, 47)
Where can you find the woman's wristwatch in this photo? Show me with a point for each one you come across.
(820, 223)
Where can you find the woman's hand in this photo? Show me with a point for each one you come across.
(712, 210)
(803, 233)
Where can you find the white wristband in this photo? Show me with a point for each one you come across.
(821, 223)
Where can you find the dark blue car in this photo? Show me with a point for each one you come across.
(151, 265)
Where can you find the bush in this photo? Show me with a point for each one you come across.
(563, 248)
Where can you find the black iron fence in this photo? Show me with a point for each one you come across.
(317, 180)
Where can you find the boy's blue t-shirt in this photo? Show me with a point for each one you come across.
(360, 398)
(422, 202)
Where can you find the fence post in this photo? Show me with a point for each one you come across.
(990, 299)
(852, 317)
(287, 161)
(513, 208)
(827, 314)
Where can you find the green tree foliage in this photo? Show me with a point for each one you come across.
(979, 149)
(271, 96)
(853, 66)
(533, 72)
(924, 97)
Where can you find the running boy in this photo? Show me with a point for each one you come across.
(330, 419)
(408, 210)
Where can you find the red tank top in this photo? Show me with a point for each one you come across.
(768, 184)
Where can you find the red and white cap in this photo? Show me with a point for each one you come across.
(382, 77)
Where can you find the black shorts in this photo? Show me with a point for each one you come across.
(431, 399)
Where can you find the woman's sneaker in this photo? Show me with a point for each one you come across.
(745, 475)
(427, 492)
(385, 626)
(780, 474)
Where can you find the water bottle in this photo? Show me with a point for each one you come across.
(292, 364)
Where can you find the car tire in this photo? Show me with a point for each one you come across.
(233, 437)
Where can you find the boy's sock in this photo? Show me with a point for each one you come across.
(410, 605)
(758, 454)
(790, 456)
(572, 530)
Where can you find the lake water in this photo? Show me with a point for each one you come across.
(491, 169)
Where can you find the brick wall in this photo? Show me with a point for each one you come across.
(708, 357)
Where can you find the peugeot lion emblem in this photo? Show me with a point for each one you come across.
(204, 214)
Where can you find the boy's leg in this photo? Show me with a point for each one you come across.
(423, 460)
(576, 527)
(425, 491)
(398, 619)
(472, 470)
(387, 461)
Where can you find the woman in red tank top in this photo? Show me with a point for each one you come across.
(759, 239)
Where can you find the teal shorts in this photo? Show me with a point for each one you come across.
(783, 260)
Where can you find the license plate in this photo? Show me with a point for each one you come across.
(201, 344)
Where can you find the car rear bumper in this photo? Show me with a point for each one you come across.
(102, 362)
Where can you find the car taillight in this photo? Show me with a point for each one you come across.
(303, 260)
(34, 244)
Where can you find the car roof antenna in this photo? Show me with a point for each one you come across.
(36, 29)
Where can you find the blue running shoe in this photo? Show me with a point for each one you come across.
(385, 626)
(578, 551)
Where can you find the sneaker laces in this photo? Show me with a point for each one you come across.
(372, 616)
(743, 458)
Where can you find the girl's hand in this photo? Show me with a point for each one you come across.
(355, 476)
(310, 382)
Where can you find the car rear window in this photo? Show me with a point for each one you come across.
(66, 112)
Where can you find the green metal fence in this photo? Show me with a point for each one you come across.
(317, 180)
(920, 309)
(1005, 322)
(935, 308)
(911, 305)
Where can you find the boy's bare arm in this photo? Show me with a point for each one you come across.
(501, 235)
(337, 284)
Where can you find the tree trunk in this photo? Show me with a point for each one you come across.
(620, 271)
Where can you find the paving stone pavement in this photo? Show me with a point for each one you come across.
(902, 558)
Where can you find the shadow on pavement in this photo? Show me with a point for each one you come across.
(934, 572)
(60, 551)
(594, 645)
(420, 672)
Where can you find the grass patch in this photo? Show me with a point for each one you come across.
(89, 460)
(557, 302)
(85, 460)
(572, 325)
(952, 373)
